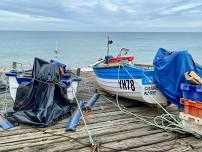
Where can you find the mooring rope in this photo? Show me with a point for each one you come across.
(149, 94)
(164, 118)
(83, 118)
(5, 100)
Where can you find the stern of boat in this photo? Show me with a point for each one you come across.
(13, 84)
(152, 95)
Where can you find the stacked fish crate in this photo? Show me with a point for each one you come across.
(192, 112)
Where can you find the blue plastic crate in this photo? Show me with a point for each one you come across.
(193, 92)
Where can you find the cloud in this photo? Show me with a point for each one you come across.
(101, 15)
(183, 8)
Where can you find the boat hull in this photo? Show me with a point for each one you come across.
(14, 83)
(130, 82)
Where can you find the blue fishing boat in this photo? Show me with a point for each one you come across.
(121, 76)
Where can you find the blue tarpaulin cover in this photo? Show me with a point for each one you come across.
(169, 69)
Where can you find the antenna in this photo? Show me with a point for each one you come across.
(56, 50)
(108, 43)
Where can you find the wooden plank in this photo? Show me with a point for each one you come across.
(94, 118)
(116, 129)
(101, 125)
(138, 132)
(140, 141)
(189, 143)
(112, 138)
(57, 137)
(91, 119)
(80, 130)
(135, 142)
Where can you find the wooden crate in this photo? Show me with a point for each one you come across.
(192, 122)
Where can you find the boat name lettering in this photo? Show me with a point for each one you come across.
(152, 92)
(127, 85)
(150, 88)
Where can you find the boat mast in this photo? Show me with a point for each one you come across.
(108, 47)
(108, 43)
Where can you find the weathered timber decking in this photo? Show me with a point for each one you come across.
(118, 131)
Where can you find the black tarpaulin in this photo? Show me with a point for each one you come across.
(44, 100)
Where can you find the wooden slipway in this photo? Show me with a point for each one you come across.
(117, 131)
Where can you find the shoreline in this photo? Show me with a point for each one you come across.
(83, 69)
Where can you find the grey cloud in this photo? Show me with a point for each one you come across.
(104, 14)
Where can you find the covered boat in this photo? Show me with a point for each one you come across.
(42, 95)
(170, 69)
(120, 76)
(17, 77)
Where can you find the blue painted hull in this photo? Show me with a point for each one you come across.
(13, 73)
(128, 72)
(133, 82)
(15, 80)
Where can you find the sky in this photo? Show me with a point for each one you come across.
(102, 15)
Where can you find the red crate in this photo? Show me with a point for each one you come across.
(199, 106)
(193, 108)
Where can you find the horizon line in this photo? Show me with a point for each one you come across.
(101, 31)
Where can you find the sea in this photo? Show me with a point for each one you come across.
(81, 49)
